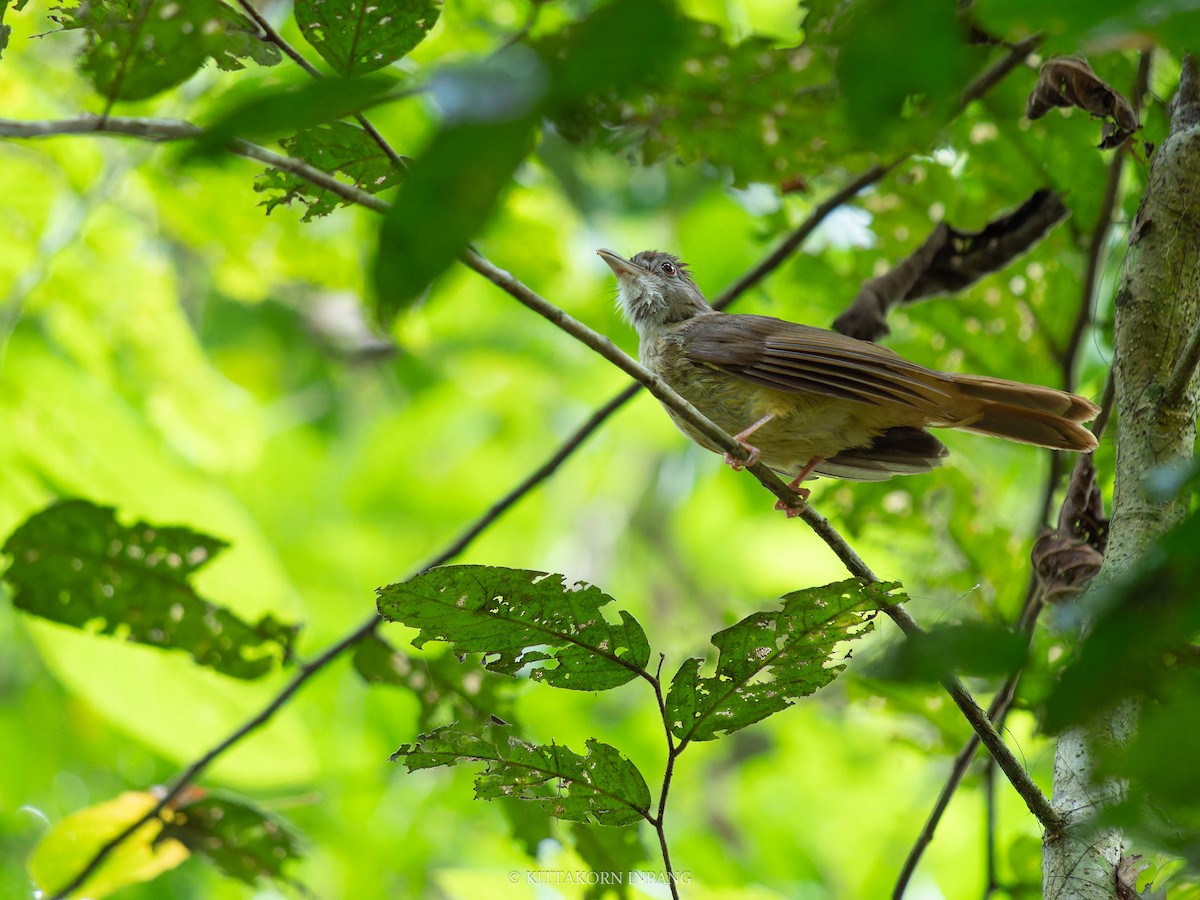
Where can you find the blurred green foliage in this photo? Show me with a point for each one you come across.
(168, 350)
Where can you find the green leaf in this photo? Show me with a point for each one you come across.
(359, 36)
(602, 787)
(528, 824)
(491, 113)
(336, 148)
(764, 112)
(614, 851)
(965, 648)
(519, 618)
(73, 563)
(293, 108)
(239, 838)
(448, 690)
(884, 80)
(1110, 23)
(71, 843)
(446, 200)
(770, 659)
(625, 44)
(1143, 627)
(5, 30)
(138, 48)
(1158, 762)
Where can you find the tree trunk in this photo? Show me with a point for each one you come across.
(1157, 317)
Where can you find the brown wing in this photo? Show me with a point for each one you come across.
(805, 360)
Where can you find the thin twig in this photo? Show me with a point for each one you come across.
(174, 130)
(788, 245)
(1091, 272)
(191, 772)
(989, 829)
(271, 35)
(962, 762)
(1107, 404)
(1070, 354)
(453, 549)
(994, 74)
(672, 752)
(179, 130)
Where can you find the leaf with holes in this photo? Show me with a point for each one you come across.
(602, 787)
(770, 659)
(447, 689)
(138, 48)
(360, 36)
(239, 838)
(521, 618)
(338, 148)
(73, 563)
(761, 110)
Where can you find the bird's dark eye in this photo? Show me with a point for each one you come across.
(668, 268)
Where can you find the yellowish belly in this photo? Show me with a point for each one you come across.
(801, 426)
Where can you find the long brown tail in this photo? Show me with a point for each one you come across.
(1028, 413)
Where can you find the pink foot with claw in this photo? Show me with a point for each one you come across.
(792, 511)
(738, 464)
(804, 493)
(754, 453)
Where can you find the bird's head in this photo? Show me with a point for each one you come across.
(656, 289)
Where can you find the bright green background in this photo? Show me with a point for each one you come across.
(160, 355)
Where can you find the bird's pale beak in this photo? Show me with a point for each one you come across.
(621, 267)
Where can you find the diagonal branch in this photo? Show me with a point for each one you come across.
(995, 73)
(1027, 620)
(363, 631)
(157, 129)
(149, 129)
(1037, 802)
(167, 130)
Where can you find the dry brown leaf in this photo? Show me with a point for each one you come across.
(1066, 81)
(1068, 557)
(949, 261)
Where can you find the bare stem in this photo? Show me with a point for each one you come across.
(188, 775)
(994, 74)
(453, 549)
(962, 762)
(149, 129)
(672, 752)
(271, 34)
(170, 130)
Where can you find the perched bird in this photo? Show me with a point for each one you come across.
(818, 403)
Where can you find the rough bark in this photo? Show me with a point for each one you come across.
(1157, 314)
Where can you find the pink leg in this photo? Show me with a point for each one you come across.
(793, 511)
(738, 464)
